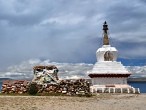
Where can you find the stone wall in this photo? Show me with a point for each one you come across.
(64, 87)
(14, 86)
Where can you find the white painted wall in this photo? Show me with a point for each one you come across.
(101, 51)
(108, 67)
(104, 81)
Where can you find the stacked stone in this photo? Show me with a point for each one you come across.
(68, 87)
(64, 87)
(14, 86)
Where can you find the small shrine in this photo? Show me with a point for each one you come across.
(45, 74)
(108, 75)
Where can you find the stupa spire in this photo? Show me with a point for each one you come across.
(105, 34)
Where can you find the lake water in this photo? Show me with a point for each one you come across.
(140, 85)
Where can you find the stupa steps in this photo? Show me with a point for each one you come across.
(109, 67)
(115, 67)
(109, 72)
(95, 68)
(109, 63)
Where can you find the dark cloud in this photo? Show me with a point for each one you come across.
(68, 31)
(130, 49)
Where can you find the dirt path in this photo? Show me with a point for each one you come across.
(99, 102)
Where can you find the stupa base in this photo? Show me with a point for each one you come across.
(114, 89)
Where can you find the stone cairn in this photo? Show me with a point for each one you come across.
(46, 79)
(14, 86)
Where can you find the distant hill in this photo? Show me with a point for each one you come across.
(1, 79)
(133, 62)
(136, 79)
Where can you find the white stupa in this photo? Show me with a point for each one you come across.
(107, 71)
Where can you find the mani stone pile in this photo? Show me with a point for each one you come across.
(64, 87)
(68, 87)
(14, 86)
(46, 81)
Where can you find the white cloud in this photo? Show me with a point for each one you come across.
(66, 70)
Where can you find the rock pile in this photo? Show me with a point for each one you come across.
(68, 87)
(64, 87)
(46, 81)
(14, 86)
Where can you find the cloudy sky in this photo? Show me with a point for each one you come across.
(69, 30)
(66, 70)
